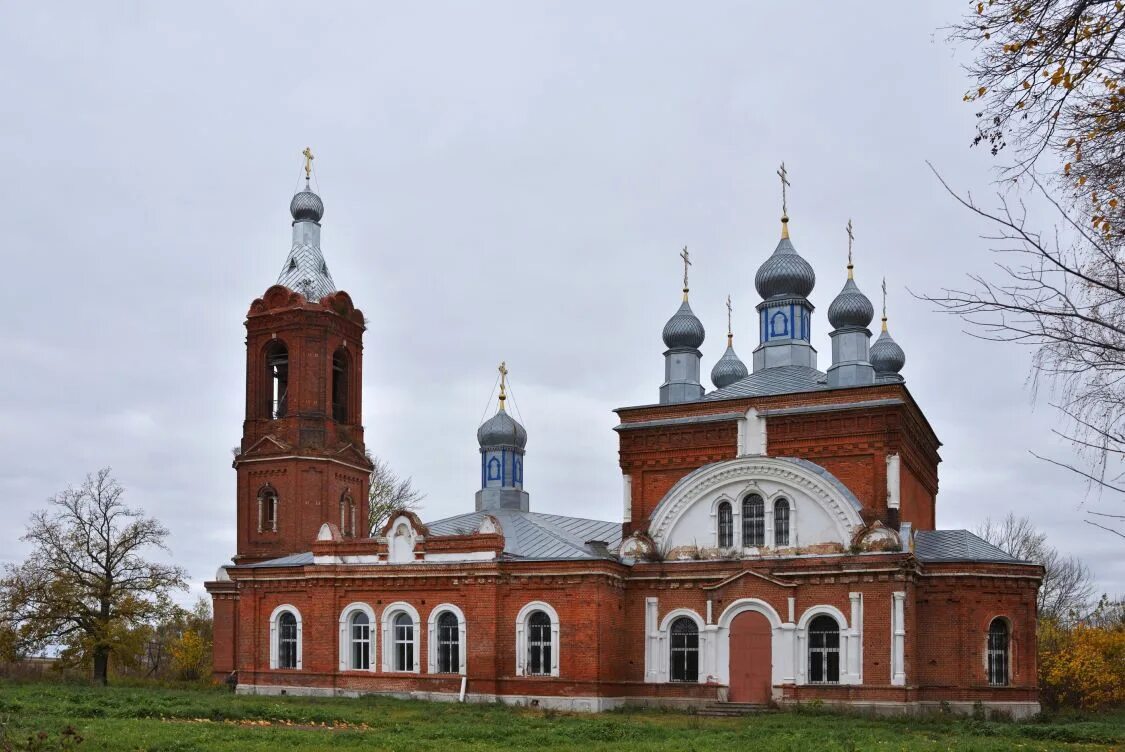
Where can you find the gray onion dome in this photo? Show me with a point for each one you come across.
(729, 369)
(306, 205)
(502, 430)
(684, 330)
(785, 274)
(851, 308)
(886, 356)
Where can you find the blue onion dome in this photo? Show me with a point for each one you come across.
(851, 308)
(729, 369)
(684, 330)
(785, 274)
(502, 430)
(886, 356)
(306, 205)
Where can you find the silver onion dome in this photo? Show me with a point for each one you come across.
(502, 430)
(306, 205)
(684, 329)
(851, 308)
(729, 369)
(886, 356)
(785, 274)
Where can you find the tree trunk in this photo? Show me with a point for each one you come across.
(101, 665)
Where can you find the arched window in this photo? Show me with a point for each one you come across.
(285, 638)
(539, 644)
(517, 469)
(685, 650)
(448, 643)
(341, 374)
(753, 521)
(403, 642)
(267, 510)
(998, 643)
(347, 515)
(824, 650)
(359, 633)
(781, 522)
(494, 469)
(277, 380)
(726, 525)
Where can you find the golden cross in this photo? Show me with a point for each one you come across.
(503, 382)
(730, 332)
(851, 237)
(784, 175)
(308, 162)
(687, 262)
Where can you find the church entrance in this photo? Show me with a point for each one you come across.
(751, 658)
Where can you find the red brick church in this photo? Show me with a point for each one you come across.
(777, 541)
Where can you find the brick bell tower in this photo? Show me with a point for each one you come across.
(302, 461)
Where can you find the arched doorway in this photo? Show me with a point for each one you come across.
(751, 658)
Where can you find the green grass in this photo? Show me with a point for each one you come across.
(154, 718)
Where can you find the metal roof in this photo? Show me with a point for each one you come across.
(957, 545)
(293, 560)
(529, 535)
(777, 380)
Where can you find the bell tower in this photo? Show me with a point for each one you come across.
(302, 460)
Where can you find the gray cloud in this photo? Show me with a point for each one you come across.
(502, 181)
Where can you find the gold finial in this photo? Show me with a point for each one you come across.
(687, 262)
(503, 383)
(730, 332)
(884, 304)
(784, 175)
(308, 162)
(851, 237)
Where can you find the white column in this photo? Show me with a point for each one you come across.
(855, 640)
(627, 495)
(898, 639)
(894, 481)
(709, 665)
(652, 638)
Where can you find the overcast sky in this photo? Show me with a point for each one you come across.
(502, 181)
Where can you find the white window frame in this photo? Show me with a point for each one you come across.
(521, 637)
(665, 645)
(432, 638)
(275, 636)
(346, 636)
(848, 642)
(388, 635)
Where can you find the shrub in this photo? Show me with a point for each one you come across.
(1081, 666)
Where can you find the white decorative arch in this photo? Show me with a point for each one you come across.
(274, 634)
(664, 645)
(401, 540)
(734, 479)
(432, 637)
(387, 622)
(346, 635)
(781, 640)
(521, 636)
(850, 641)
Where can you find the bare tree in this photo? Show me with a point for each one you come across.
(85, 585)
(1050, 79)
(1067, 589)
(1063, 295)
(389, 494)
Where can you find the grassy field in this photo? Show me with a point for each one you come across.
(150, 718)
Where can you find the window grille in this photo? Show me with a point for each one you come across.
(824, 651)
(781, 522)
(726, 526)
(998, 653)
(753, 521)
(449, 644)
(685, 650)
(539, 644)
(286, 640)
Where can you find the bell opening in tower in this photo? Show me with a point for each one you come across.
(277, 379)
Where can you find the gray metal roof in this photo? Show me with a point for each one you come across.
(529, 535)
(293, 560)
(956, 545)
(850, 308)
(777, 380)
(684, 329)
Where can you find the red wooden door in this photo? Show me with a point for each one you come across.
(751, 658)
